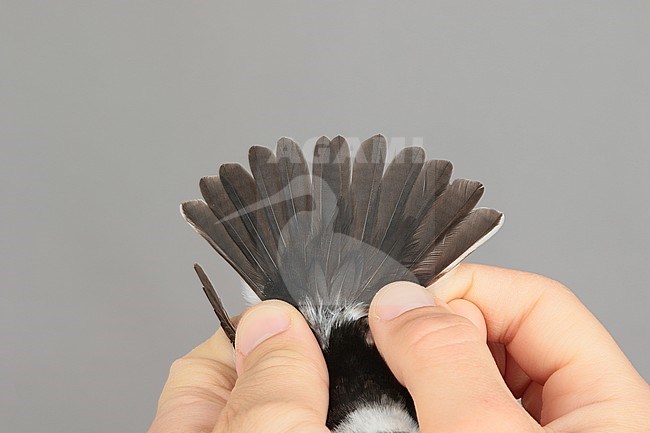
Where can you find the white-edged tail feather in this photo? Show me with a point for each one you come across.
(328, 240)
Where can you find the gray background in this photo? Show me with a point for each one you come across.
(110, 111)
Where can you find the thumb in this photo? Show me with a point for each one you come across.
(444, 362)
(283, 382)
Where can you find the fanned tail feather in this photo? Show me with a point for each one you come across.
(431, 182)
(396, 186)
(452, 205)
(296, 190)
(458, 242)
(366, 181)
(331, 187)
(240, 187)
(264, 166)
(198, 215)
(332, 238)
(217, 305)
(330, 180)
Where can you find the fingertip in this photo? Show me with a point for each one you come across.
(280, 367)
(453, 284)
(260, 323)
(471, 312)
(274, 323)
(397, 298)
(218, 348)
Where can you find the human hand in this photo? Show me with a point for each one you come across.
(276, 383)
(550, 351)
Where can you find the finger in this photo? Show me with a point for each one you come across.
(471, 312)
(531, 400)
(518, 381)
(197, 389)
(555, 340)
(499, 354)
(444, 362)
(283, 381)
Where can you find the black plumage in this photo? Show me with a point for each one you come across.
(328, 240)
(372, 381)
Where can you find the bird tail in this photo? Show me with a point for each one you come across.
(328, 240)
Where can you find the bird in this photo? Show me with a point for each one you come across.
(326, 239)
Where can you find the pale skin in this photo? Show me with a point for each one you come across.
(466, 348)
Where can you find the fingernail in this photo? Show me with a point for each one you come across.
(260, 324)
(398, 298)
